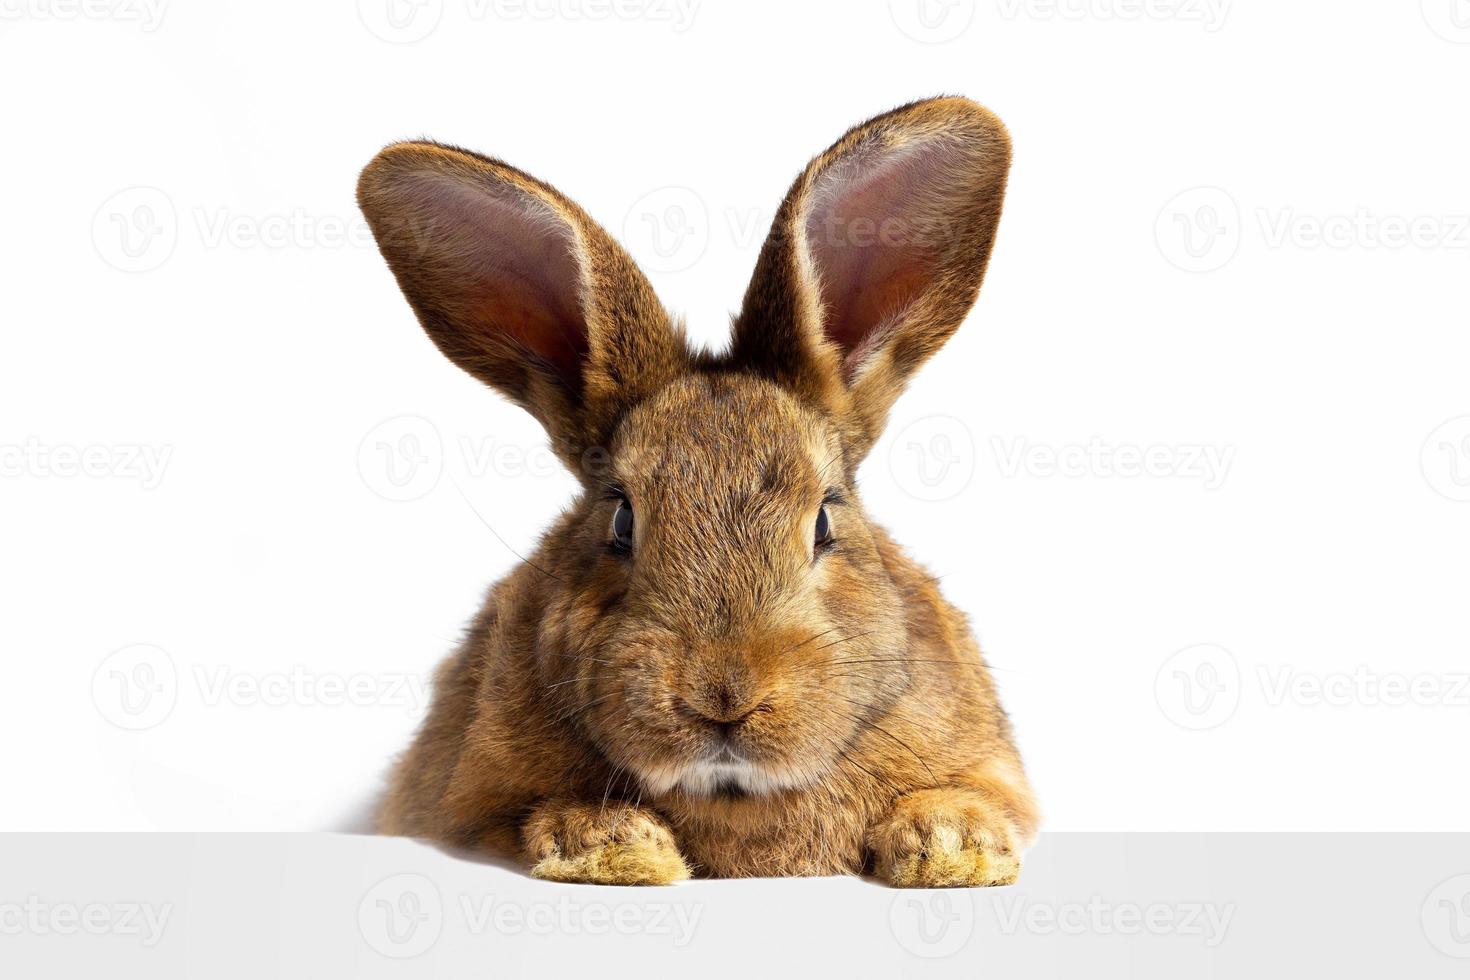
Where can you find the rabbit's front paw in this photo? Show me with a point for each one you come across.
(602, 844)
(942, 838)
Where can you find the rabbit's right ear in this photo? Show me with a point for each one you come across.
(874, 259)
(518, 286)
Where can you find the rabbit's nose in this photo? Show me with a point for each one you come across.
(721, 709)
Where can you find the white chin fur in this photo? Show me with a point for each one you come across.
(706, 778)
(727, 773)
(722, 774)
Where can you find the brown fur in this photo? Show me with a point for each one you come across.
(576, 724)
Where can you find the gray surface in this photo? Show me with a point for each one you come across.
(1096, 905)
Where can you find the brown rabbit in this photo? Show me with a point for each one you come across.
(714, 662)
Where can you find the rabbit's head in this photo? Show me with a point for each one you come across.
(718, 611)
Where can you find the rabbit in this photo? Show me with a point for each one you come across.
(715, 663)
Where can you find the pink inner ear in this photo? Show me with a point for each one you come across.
(509, 268)
(872, 231)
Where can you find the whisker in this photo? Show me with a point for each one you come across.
(580, 657)
(879, 728)
(573, 680)
(492, 530)
(809, 639)
(898, 660)
(845, 639)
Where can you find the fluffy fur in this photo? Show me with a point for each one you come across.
(729, 696)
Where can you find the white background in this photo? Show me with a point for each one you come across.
(237, 478)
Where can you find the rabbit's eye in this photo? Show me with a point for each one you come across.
(824, 528)
(622, 526)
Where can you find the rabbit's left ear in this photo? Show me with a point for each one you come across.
(875, 258)
(522, 289)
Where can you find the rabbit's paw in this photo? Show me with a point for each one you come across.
(601, 844)
(943, 838)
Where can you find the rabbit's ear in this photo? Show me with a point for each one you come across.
(875, 257)
(518, 286)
